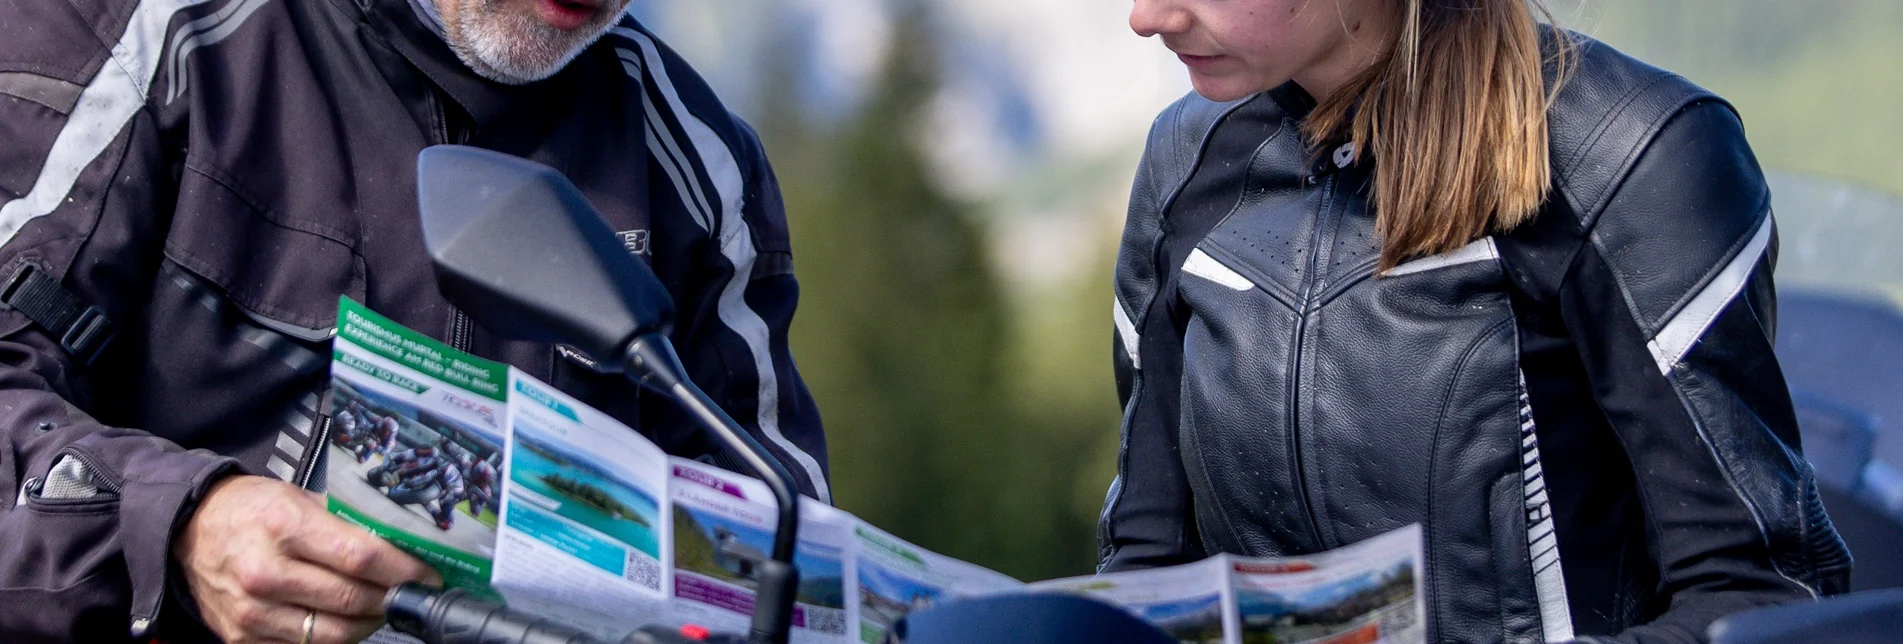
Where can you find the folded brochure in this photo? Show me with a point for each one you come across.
(514, 490)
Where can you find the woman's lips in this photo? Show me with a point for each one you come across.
(566, 15)
(1198, 62)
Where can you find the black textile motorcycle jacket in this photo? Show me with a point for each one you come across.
(201, 180)
(1585, 414)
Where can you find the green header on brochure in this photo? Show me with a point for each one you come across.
(459, 569)
(892, 548)
(383, 337)
(380, 373)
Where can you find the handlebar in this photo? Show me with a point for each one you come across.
(453, 617)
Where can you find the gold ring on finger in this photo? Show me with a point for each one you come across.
(310, 626)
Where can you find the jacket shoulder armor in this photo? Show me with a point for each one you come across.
(1661, 177)
(1607, 113)
(1176, 142)
(1170, 156)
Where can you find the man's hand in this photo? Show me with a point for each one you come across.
(261, 555)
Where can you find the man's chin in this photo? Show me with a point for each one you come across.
(522, 49)
(511, 72)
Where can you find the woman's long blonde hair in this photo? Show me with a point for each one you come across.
(1454, 116)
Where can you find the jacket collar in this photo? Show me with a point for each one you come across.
(1294, 100)
(486, 101)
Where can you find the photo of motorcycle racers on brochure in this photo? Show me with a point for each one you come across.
(433, 467)
(415, 450)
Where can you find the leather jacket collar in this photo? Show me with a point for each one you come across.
(485, 101)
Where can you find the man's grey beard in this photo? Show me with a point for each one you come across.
(515, 47)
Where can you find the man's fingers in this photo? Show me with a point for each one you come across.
(302, 584)
(330, 543)
(260, 621)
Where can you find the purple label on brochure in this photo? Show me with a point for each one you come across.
(709, 480)
(723, 596)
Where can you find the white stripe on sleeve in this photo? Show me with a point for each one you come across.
(200, 33)
(1127, 332)
(115, 94)
(736, 243)
(1676, 338)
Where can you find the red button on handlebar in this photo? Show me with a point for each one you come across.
(695, 632)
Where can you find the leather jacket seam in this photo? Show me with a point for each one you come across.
(1229, 259)
(1160, 213)
(1711, 272)
(1591, 141)
(1430, 564)
(1361, 272)
(1214, 500)
(1726, 469)
(1619, 283)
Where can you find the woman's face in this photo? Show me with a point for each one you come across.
(1235, 48)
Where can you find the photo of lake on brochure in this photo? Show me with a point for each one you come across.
(570, 484)
(713, 559)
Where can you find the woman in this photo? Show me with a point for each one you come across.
(1380, 273)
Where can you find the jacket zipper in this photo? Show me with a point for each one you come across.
(459, 331)
(320, 440)
(459, 325)
(444, 132)
(107, 480)
(1292, 398)
(103, 478)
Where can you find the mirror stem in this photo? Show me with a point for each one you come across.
(650, 360)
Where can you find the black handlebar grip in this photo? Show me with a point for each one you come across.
(453, 617)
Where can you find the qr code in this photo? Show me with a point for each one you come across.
(642, 569)
(825, 620)
(1397, 621)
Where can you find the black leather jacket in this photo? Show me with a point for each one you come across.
(1585, 414)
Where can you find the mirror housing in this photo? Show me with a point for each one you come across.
(518, 247)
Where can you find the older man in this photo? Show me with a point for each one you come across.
(187, 188)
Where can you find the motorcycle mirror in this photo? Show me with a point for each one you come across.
(517, 247)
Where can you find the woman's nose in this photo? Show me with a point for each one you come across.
(1153, 17)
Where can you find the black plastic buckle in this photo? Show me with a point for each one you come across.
(83, 330)
(15, 281)
(87, 336)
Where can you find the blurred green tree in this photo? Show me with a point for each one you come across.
(903, 331)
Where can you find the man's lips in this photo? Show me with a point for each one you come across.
(567, 14)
